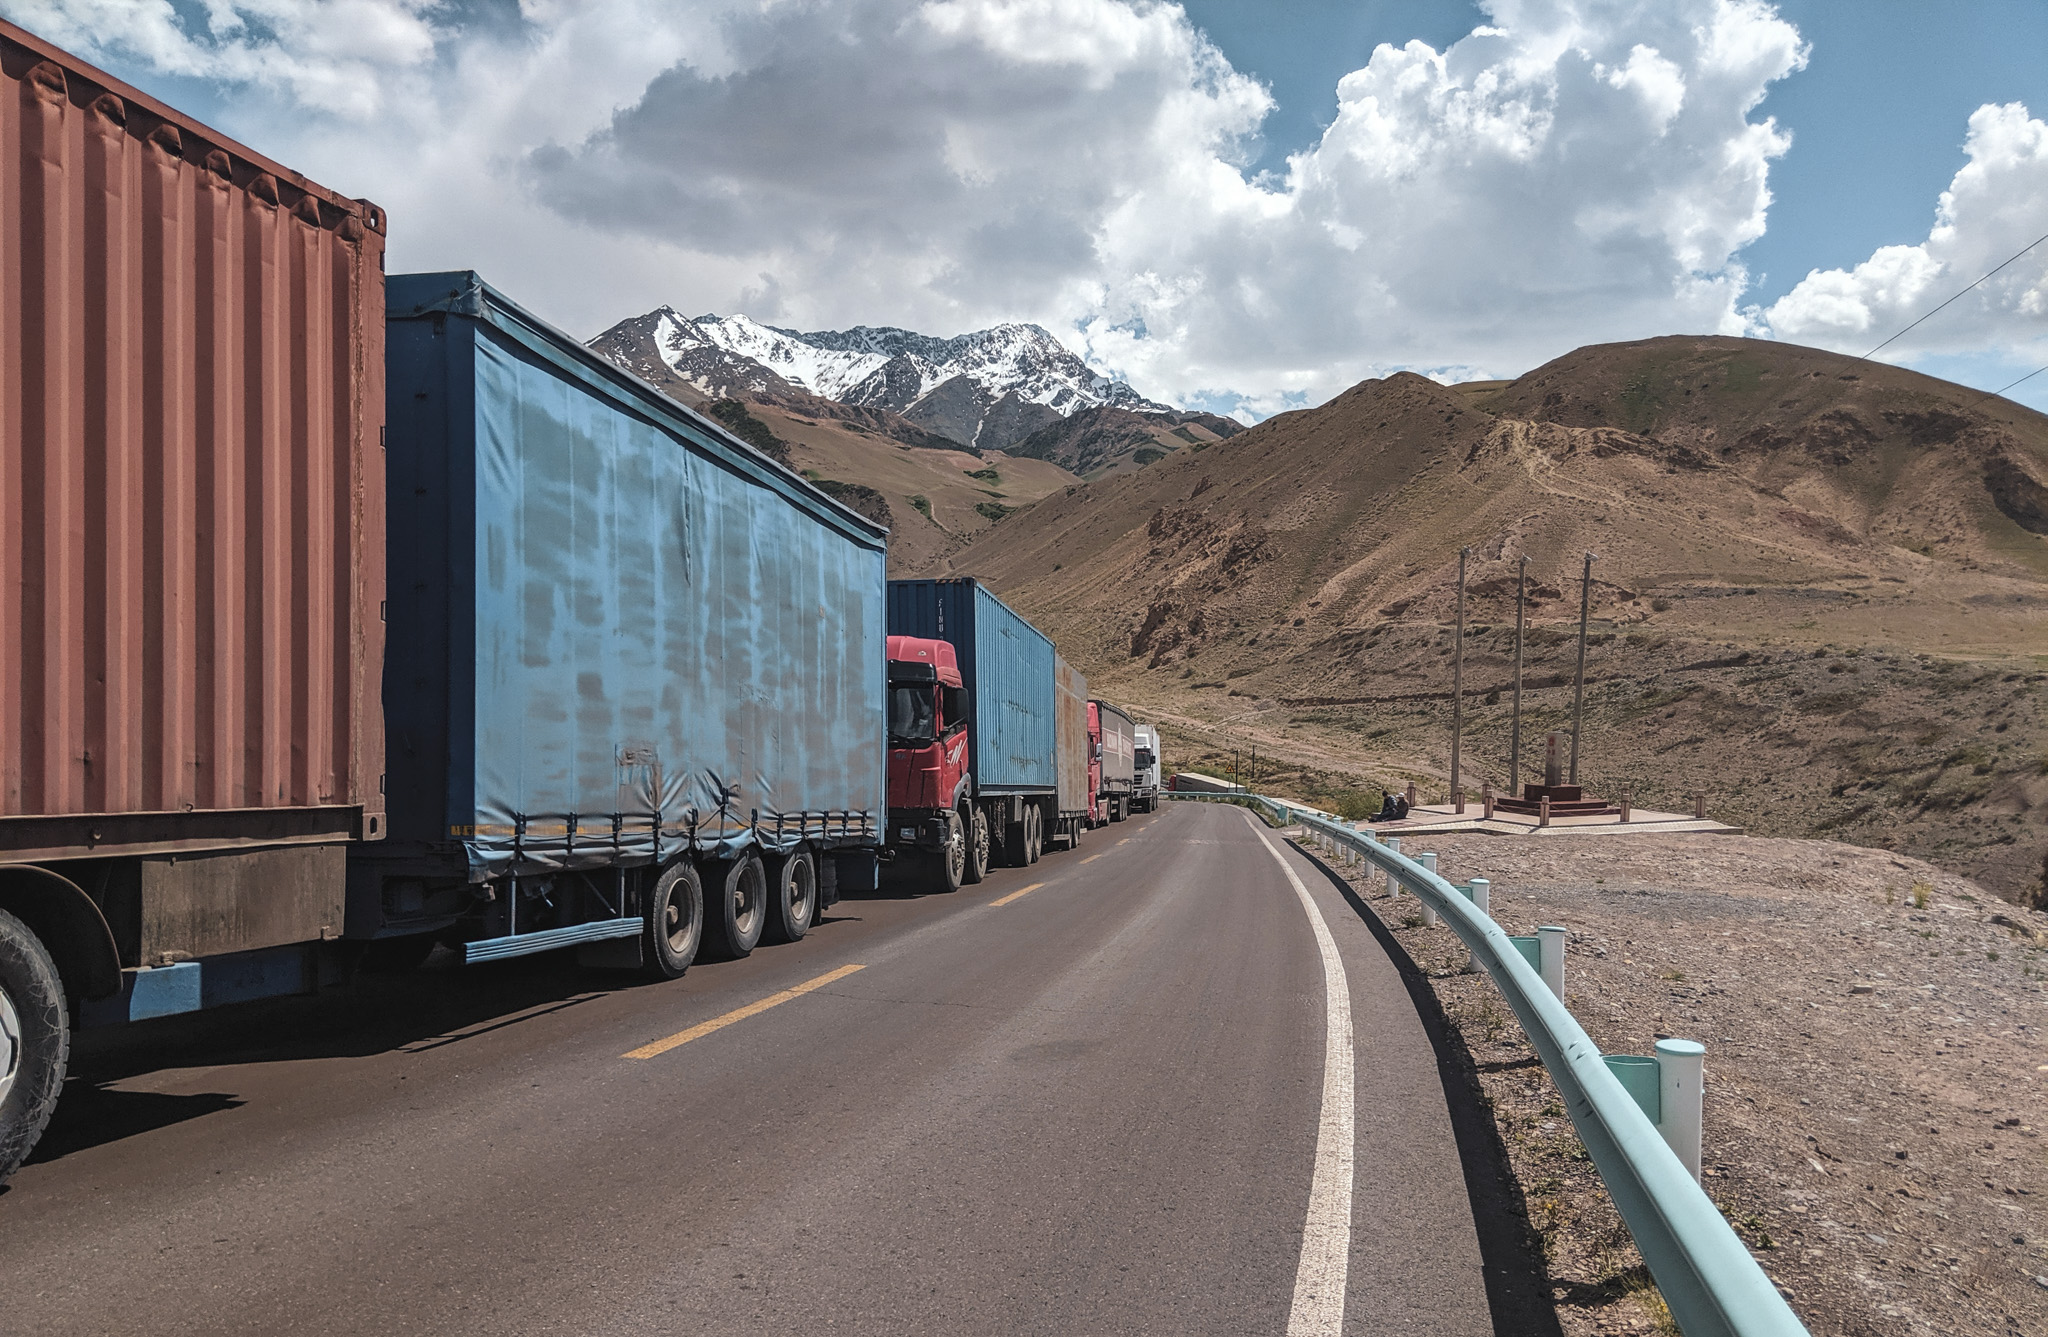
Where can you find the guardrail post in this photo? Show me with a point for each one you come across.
(1393, 883)
(1681, 1082)
(1482, 901)
(1550, 949)
(1428, 862)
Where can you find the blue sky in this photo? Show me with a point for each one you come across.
(1180, 193)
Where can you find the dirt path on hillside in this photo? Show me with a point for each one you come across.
(1877, 1081)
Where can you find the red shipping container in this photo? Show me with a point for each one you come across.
(191, 481)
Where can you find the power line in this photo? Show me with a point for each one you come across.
(2016, 255)
(1993, 394)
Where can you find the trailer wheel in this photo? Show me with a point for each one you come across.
(795, 902)
(1034, 834)
(977, 847)
(675, 922)
(35, 1041)
(736, 905)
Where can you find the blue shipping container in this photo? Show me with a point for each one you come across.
(614, 630)
(1007, 666)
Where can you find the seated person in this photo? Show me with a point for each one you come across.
(1400, 806)
(1387, 812)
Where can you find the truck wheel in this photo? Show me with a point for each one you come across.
(977, 848)
(1034, 835)
(675, 922)
(736, 905)
(35, 1041)
(1017, 842)
(795, 902)
(942, 870)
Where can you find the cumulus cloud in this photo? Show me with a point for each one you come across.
(1573, 170)
(1995, 206)
(331, 56)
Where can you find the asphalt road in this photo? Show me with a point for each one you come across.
(1098, 1107)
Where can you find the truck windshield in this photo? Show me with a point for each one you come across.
(1142, 758)
(912, 718)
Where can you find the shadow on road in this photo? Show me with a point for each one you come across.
(1517, 1283)
(92, 1115)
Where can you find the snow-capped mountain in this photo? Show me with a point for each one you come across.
(989, 388)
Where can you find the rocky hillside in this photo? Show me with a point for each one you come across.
(1104, 440)
(986, 390)
(1821, 594)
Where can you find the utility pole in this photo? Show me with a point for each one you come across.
(1579, 687)
(1515, 736)
(1458, 684)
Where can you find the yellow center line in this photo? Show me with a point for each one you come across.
(704, 1028)
(1021, 891)
(1093, 857)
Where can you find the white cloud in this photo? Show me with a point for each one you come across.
(1574, 170)
(1996, 205)
(328, 55)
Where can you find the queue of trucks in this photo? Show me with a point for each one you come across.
(350, 616)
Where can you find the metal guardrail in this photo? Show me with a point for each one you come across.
(1711, 1282)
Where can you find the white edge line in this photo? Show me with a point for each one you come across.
(1320, 1281)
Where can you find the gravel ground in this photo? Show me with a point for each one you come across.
(1875, 1067)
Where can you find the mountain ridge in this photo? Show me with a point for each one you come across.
(984, 389)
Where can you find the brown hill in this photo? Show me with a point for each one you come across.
(1100, 441)
(1752, 504)
(932, 496)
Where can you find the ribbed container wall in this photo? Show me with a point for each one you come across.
(191, 483)
(1070, 729)
(1119, 746)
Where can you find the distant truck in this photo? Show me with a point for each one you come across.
(1114, 738)
(984, 748)
(1145, 769)
(639, 703)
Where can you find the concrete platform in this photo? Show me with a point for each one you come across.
(1434, 819)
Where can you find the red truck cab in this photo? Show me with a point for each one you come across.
(928, 760)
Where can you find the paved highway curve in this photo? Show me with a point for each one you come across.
(1092, 1096)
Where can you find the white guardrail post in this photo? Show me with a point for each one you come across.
(1428, 862)
(1639, 1118)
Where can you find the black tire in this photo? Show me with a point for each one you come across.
(1034, 835)
(946, 868)
(793, 896)
(1119, 809)
(735, 905)
(35, 1041)
(976, 867)
(675, 922)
